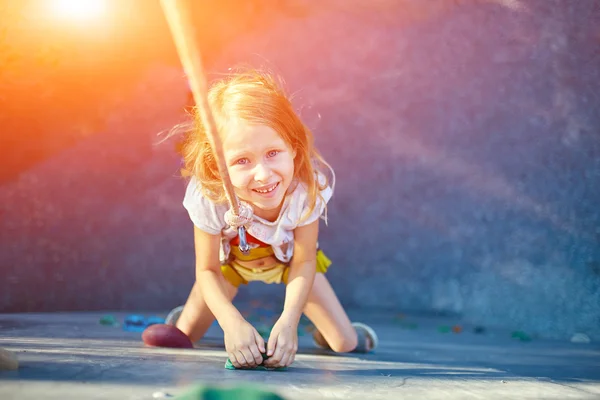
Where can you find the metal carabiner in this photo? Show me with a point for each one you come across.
(244, 247)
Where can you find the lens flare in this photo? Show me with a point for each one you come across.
(79, 10)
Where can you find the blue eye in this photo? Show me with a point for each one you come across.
(272, 153)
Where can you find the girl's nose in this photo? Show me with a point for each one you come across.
(262, 173)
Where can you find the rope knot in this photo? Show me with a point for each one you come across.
(243, 218)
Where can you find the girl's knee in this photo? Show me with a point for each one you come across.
(345, 344)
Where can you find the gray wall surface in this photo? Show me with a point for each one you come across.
(467, 150)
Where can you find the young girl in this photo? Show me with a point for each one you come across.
(273, 167)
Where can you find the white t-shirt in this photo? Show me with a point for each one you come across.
(210, 218)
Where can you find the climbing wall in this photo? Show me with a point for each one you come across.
(465, 140)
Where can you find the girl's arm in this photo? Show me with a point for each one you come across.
(211, 280)
(302, 270)
(283, 341)
(243, 343)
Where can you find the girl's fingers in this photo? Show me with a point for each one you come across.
(241, 359)
(285, 358)
(260, 342)
(248, 357)
(256, 356)
(272, 345)
(275, 359)
(234, 360)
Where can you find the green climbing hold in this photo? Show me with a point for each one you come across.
(229, 365)
(108, 320)
(408, 325)
(522, 336)
(246, 392)
(444, 329)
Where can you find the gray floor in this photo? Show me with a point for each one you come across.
(71, 355)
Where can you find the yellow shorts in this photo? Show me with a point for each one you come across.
(238, 275)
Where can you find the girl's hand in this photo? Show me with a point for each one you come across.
(244, 345)
(283, 343)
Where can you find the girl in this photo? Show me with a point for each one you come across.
(273, 167)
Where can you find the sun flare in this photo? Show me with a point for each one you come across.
(79, 9)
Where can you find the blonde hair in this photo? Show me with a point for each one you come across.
(256, 98)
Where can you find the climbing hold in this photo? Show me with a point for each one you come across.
(580, 338)
(154, 320)
(479, 329)
(457, 329)
(161, 335)
(108, 320)
(134, 323)
(443, 329)
(8, 360)
(229, 365)
(137, 323)
(246, 392)
(522, 336)
(409, 325)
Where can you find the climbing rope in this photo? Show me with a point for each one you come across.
(177, 15)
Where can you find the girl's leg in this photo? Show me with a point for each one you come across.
(325, 311)
(196, 317)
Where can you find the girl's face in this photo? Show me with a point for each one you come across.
(260, 165)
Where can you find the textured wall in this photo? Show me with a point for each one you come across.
(466, 141)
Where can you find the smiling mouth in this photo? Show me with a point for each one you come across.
(267, 189)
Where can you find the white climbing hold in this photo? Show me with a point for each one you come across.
(580, 338)
(8, 360)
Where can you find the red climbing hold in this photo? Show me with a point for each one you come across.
(161, 335)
